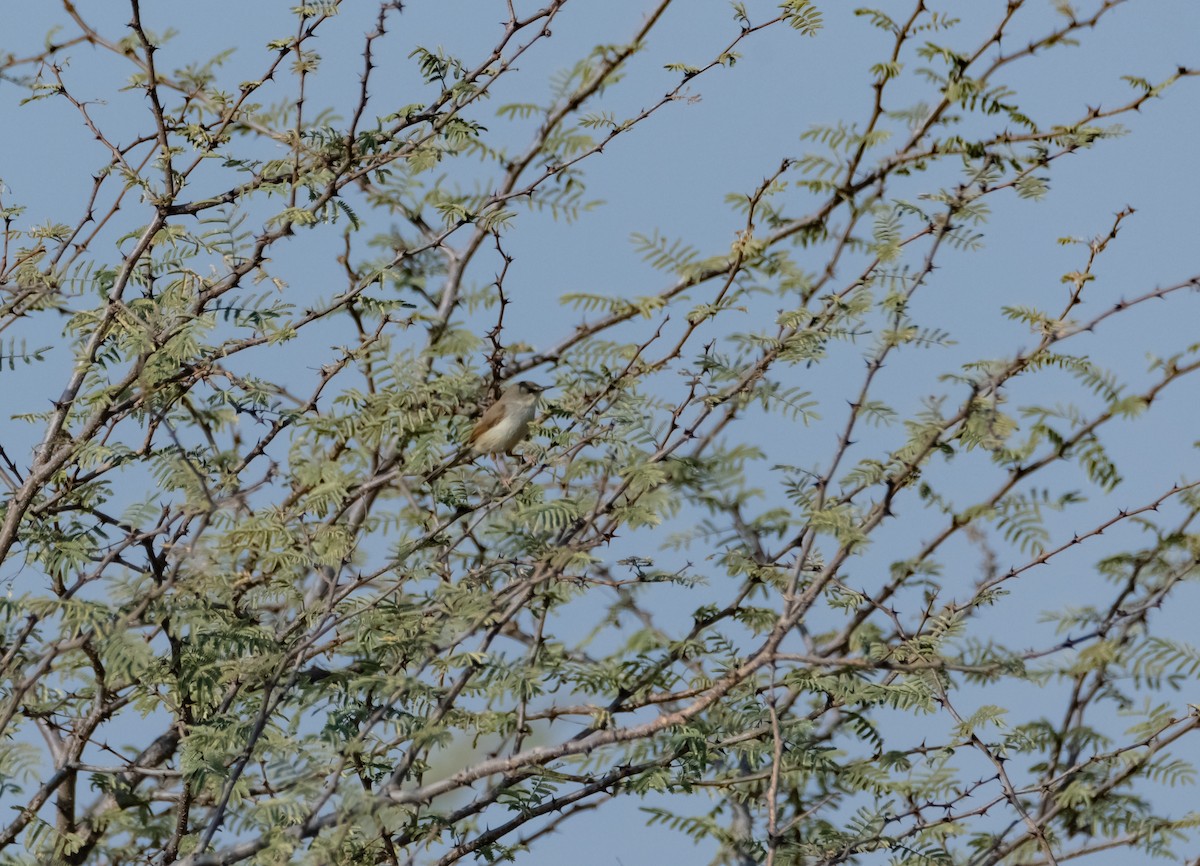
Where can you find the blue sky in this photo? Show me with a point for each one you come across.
(673, 175)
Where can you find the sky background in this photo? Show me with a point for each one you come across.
(673, 175)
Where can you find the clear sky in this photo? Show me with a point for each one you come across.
(673, 175)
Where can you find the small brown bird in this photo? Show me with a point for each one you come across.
(506, 422)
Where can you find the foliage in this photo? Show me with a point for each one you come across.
(262, 610)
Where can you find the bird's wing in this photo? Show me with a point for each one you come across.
(490, 418)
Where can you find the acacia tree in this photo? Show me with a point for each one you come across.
(262, 611)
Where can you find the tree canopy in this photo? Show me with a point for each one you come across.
(797, 565)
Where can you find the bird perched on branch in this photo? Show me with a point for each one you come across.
(506, 422)
(503, 426)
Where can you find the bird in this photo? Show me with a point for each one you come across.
(506, 422)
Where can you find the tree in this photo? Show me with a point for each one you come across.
(265, 607)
